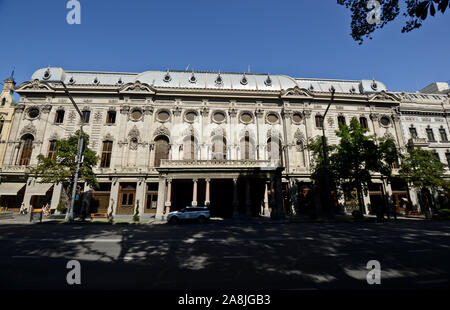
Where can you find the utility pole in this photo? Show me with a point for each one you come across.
(70, 215)
(325, 159)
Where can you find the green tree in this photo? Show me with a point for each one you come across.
(415, 12)
(318, 170)
(424, 171)
(61, 168)
(358, 156)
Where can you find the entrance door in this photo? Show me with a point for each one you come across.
(151, 202)
(127, 198)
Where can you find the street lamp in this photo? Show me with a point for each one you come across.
(69, 215)
(325, 159)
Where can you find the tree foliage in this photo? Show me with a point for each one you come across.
(423, 169)
(355, 159)
(61, 168)
(414, 11)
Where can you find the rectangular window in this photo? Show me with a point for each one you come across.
(443, 135)
(52, 149)
(413, 132)
(319, 121)
(447, 156)
(111, 117)
(430, 134)
(59, 118)
(1, 127)
(86, 116)
(363, 122)
(436, 155)
(106, 154)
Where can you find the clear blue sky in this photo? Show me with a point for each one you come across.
(300, 38)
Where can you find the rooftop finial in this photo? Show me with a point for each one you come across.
(12, 73)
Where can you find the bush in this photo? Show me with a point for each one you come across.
(357, 214)
(61, 207)
(443, 214)
(136, 216)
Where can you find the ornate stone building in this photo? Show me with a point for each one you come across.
(233, 141)
(425, 124)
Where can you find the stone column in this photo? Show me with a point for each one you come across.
(113, 197)
(161, 199)
(266, 201)
(207, 198)
(366, 199)
(194, 193)
(248, 201)
(56, 196)
(168, 203)
(235, 198)
(141, 192)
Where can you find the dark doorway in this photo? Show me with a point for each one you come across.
(221, 193)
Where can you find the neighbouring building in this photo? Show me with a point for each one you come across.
(11, 194)
(425, 124)
(233, 141)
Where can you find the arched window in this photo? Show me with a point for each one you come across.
(161, 149)
(189, 148)
(274, 150)
(3, 101)
(26, 148)
(219, 148)
(247, 147)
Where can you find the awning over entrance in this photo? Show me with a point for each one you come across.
(10, 189)
(39, 189)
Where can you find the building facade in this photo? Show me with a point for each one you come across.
(233, 141)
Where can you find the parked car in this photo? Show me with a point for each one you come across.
(199, 214)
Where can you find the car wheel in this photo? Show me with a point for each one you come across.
(201, 219)
(173, 220)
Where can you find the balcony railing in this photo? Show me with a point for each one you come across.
(418, 142)
(262, 164)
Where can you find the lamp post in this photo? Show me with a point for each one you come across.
(325, 159)
(70, 215)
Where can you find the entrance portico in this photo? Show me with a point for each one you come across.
(237, 190)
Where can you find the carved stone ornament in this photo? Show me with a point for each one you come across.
(232, 112)
(148, 110)
(28, 129)
(46, 108)
(307, 113)
(204, 111)
(134, 133)
(108, 137)
(124, 109)
(161, 131)
(296, 92)
(330, 121)
(35, 85)
(383, 96)
(97, 116)
(71, 116)
(374, 116)
(177, 111)
(137, 87)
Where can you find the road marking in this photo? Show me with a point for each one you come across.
(419, 251)
(432, 281)
(92, 240)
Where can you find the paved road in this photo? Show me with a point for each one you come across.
(226, 255)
